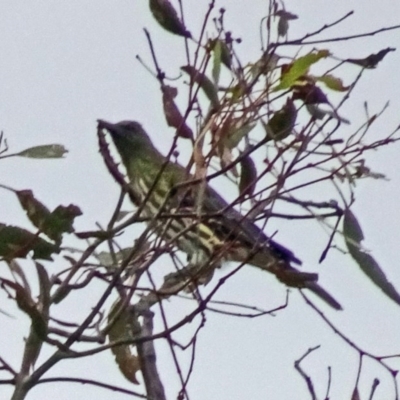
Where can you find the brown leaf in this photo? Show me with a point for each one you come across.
(372, 60)
(173, 115)
(123, 329)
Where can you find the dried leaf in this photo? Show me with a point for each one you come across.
(372, 60)
(309, 93)
(124, 328)
(172, 114)
(36, 211)
(28, 305)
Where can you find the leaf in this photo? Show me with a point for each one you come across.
(248, 176)
(267, 63)
(52, 224)
(16, 269)
(283, 24)
(319, 113)
(61, 221)
(28, 305)
(353, 237)
(282, 122)
(36, 211)
(45, 151)
(217, 60)
(122, 214)
(372, 60)
(226, 56)
(45, 286)
(333, 83)
(173, 115)
(298, 68)
(205, 83)
(124, 328)
(238, 130)
(166, 15)
(105, 258)
(309, 93)
(16, 242)
(40, 325)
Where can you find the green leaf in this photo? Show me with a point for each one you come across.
(299, 68)
(353, 236)
(237, 132)
(333, 83)
(204, 82)
(45, 151)
(45, 286)
(226, 56)
(166, 15)
(16, 242)
(61, 221)
(217, 51)
(105, 258)
(52, 224)
(248, 176)
(282, 122)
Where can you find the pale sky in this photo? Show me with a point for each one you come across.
(64, 64)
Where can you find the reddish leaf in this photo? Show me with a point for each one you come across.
(309, 94)
(36, 211)
(172, 114)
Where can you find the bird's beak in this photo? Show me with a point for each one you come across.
(101, 124)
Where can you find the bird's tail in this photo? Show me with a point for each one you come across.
(292, 277)
(324, 295)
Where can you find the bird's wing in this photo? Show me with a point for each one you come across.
(230, 223)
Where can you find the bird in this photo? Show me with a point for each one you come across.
(189, 213)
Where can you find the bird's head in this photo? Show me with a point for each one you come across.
(129, 137)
